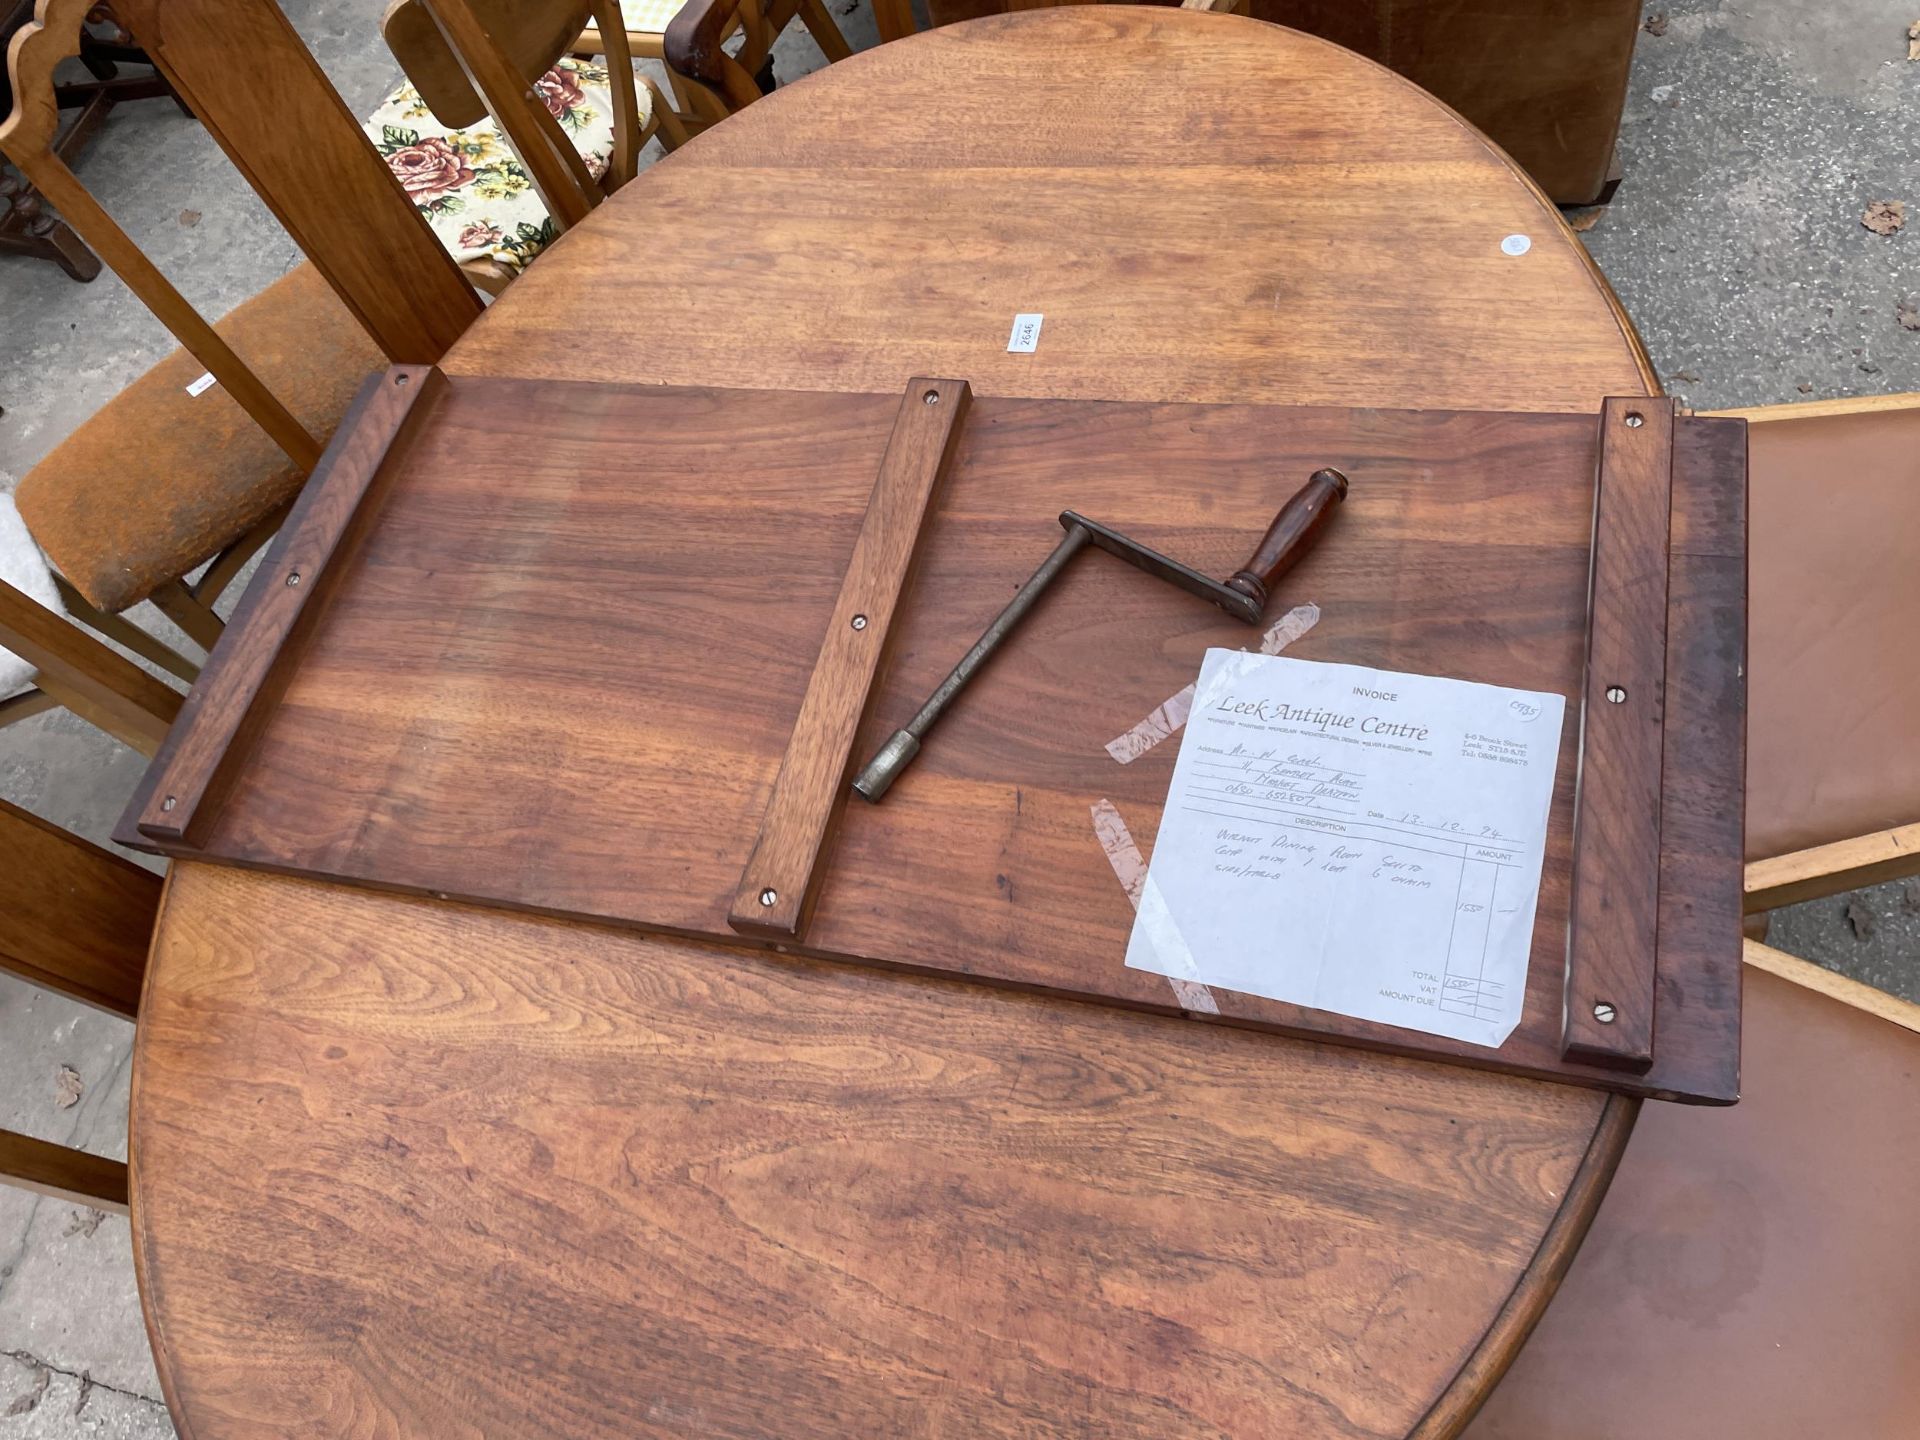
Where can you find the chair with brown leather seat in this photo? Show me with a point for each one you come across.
(1753, 1272)
(174, 472)
(1833, 746)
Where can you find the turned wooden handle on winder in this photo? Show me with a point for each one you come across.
(1291, 535)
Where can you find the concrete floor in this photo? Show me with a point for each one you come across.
(1755, 136)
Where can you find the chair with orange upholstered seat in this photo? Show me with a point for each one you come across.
(194, 463)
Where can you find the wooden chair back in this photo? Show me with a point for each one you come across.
(234, 63)
(695, 47)
(77, 919)
(532, 36)
(469, 58)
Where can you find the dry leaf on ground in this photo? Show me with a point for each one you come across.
(67, 1087)
(28, 1400)
(1657, 23)
(1913, 41)
(85, 1221)
(1883, 217)
(1804, 388)
(189, 218)
(1908, 313)
(1859, 920)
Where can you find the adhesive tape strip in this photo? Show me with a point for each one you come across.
(1130, 868)
(1168, 718)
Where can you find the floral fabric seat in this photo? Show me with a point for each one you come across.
(473, 192)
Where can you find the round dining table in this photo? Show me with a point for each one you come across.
(410, 1167)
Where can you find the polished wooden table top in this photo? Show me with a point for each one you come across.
(406, 1167)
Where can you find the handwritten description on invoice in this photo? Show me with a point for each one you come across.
(1356, 840)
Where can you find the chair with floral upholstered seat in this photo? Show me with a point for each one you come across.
(532, 33)
(501, 139)
(495, 190)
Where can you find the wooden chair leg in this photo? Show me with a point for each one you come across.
(1833, 869)
(26, 704)
(124, 633)
(81, 673)
(751, 18)
(1838, 987)
(894, 19)
(673, 130)
(63, 1172)
(228, 564)
(25, 229)
(825, 33)
(178, 604)
(699, 107)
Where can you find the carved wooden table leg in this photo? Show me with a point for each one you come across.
(26, 229)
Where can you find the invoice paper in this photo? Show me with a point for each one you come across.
(1356, 840)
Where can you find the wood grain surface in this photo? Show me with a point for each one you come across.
(1546, 80)
(1325, 234)
(693, 735)
(1613, 919)
(506, 1176)
(1203, 207)
(241, 685)
(77, 918)
(781, 879)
